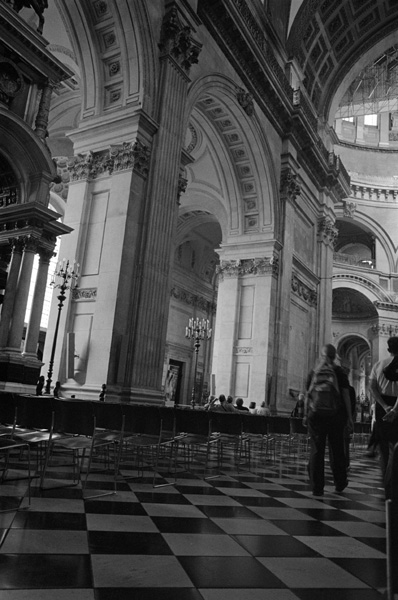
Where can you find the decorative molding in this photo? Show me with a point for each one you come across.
(366, 283)
(176, 41)
(251, 266)
(193, 299)
(121, 157)
(290, 187)
(304, 292)
(374, 192)
(246, 101)
(327, 232)
(387, 306)
(243, 350)
(84, 294)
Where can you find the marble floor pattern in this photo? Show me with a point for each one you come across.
(252, 535)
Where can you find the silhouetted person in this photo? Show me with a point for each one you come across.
(40, 386)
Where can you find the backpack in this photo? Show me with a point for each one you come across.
(324, 391)
(391, 370)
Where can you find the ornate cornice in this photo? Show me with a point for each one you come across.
(304, 292)
(251, 266)
(327, 232)
(366, 283)
(84, 294)
(387, 306)
(290, 187)
(176, 41)
(121, 157)
(193, 299)
(243, 350)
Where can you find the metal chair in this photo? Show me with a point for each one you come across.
(76, 430)
(228, 428)
(261, 445)
(199, 449)
(7, 446)
(149, 443)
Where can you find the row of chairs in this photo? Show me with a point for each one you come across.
(167, 440)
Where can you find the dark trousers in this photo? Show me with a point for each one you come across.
(321, 429)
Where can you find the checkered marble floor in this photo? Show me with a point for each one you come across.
(256, 535)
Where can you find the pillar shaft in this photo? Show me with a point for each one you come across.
(21, 296)
(148, 335)
(10, 291)
(33, 331)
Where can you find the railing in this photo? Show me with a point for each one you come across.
(354, 260)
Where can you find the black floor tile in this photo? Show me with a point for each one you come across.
(274, 545)
(293, 527)
(186, 525)
(228, 572)
(228, 512)
(49, 520)
(39, 571)
(147, 594)
(161, 498)
(199, 490)
(337, 594)
(375, 542)
(120, 542)
(331, 514)
(371, 571)
(109, 507)
(259, 501)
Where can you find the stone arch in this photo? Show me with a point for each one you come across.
(239, 144)
(116, 61)
(29, 157)
(348, 72)
(362, 284)
(373, 227)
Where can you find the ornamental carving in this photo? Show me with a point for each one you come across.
(304, 291)
(182, 186)
(118, 158)
(243, 350)
(87, 294)
(176, 40)
(251, 266)
(349, 208)
(246, 101)
(193, 300)
(11, 81)
(290, 187)
(327, 231)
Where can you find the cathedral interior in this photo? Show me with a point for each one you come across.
(196, 196)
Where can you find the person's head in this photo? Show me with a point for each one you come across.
(252, 405)
(222, 398)
(230, 399)
(239, 402)
(300, 399)
(392, 345)
(328, 352)
(263, 404)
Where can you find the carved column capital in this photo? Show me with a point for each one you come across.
(251, 266)
(176, 41)
(327, 232)
(290, 187)
(349, 208)
(80, 166)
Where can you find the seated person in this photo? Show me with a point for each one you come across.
(263, 411)
(223, 405)
(298, 410)
(239, 405)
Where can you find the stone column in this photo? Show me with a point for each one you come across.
(41, 122)
(32, 334)
(289, 190)
(21, 296)
(327, 235)
(11, 287)
(150, 313)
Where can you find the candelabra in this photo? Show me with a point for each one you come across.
(68, 275)
(199, 330)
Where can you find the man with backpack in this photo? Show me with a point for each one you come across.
(383, 384)
(327, 413)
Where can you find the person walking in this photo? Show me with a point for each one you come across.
(327, 412)
(385, 392)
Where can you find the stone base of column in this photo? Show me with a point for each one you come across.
(18, 370)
